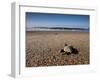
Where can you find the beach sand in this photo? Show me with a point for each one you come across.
(43, 48)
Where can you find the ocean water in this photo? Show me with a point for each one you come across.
(57, 29)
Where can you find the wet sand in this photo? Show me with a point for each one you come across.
(43, 48)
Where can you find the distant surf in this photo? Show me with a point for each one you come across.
(56, 29)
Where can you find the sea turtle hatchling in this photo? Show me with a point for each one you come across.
(68, 49)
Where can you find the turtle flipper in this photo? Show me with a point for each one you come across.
(61, 50)
(74, 50)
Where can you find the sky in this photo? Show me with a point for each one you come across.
(58, 20)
